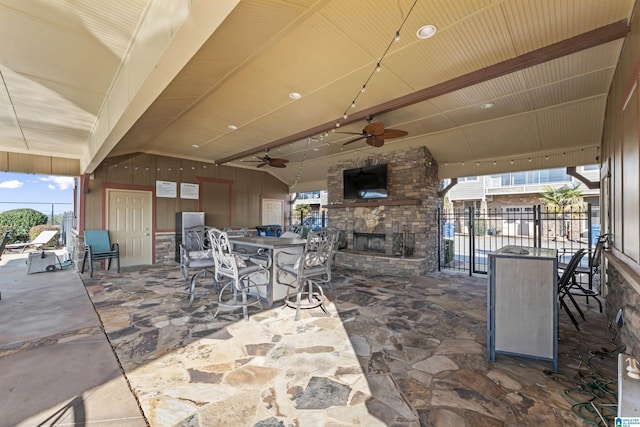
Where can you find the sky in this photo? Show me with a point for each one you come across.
(39, 192)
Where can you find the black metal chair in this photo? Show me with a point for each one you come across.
(591, 269)
(97, 247)
(565, 282)
(5, 239)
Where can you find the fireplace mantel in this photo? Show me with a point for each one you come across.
(374, 203)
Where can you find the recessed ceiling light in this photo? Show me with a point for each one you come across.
(195, 146)
(426, 31)
(486, 106)
(233, 127)
(295, 95)
(316, 149)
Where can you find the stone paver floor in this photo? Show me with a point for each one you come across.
(392, 352)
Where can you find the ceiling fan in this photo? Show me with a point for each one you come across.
(374, 133)
(269, 161)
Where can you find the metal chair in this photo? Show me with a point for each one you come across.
(243, 272)
(591, 269)
(236, 231)
(565, 282)
(97, 247)
(309, 270)
(5, 239)
(195, 250)
(195, 253)
(294, 231)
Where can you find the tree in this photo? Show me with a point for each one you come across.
(302, 210)
(21, 221)
(566, 200)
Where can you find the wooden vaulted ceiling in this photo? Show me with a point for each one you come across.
(99, 79)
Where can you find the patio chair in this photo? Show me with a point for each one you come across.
(565, 282)
(295, 231)
(195, 253)
(97, 247)
(42, 239)
(236, 231)
(5, 239)
(591, 269)
(195, 250)
(244, 273)
(309, 271)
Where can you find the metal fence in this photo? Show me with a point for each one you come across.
(315, 220)
(466, 237)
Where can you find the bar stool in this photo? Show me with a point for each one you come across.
(241, 270)
(309, 271)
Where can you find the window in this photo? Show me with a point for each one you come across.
(468, 179)
(554, 175)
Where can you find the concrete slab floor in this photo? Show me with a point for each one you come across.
(57, 366)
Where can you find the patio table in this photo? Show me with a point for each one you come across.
(274, 245)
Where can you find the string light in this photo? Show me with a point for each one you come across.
(530, 159)
(378, 67)
(304, 156)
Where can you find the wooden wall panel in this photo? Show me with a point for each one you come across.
(248, 185)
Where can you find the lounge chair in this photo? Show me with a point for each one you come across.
(42, 239)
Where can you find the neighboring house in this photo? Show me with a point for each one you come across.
(317, 200)
(511, 197)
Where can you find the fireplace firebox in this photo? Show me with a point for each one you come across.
(369, 242)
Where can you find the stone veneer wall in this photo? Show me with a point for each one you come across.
(411, 206)
(621, 294)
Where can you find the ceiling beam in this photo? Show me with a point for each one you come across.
(605, 34)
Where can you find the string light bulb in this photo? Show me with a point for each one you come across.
(396, 39)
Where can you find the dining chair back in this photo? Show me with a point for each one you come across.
(97, 247)
(236, 231)
(195, 250)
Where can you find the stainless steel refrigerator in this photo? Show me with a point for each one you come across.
(185, 220)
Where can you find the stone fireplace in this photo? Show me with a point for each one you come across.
(395, 235)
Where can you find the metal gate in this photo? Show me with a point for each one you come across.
(467, 236)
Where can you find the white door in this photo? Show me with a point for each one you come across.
(272, 211)
(129, 221)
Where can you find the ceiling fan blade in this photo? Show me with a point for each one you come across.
(352, 133)
(278, 165)
(374, 128)
(394, 133)
(354, 140)
(276, 162)
(375, 141)
(262, 164)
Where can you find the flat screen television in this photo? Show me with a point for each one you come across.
(369, 182)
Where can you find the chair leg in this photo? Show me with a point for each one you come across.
(566, 309)
(575, 304)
